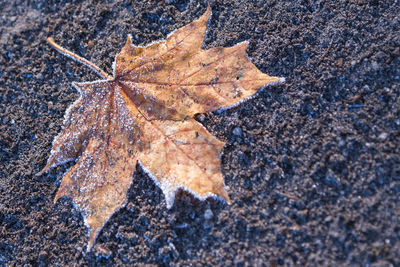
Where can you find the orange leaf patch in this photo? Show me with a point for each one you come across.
(144, 114)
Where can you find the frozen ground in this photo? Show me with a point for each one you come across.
(312, 166)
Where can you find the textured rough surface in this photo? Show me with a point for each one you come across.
(312, 165)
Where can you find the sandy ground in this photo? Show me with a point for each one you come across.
(312, 166)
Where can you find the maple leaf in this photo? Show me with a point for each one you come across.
(144, 114)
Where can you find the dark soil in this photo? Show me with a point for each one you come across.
(312, 166)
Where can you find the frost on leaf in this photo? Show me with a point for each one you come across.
(144, 114)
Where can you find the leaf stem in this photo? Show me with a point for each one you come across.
(82, 60)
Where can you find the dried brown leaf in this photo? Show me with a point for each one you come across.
(144, 113)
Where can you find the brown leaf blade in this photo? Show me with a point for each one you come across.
(144, 113)
(100, 129)
(139, 63)
(191, 81)
(183, 154)
(98, 184)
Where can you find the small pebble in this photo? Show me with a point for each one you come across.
(208, 214)
(365, 87)
(375, 65)
(383, 136)
(201, 117)
(43, 256)
(237, 131)
(342, 142)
